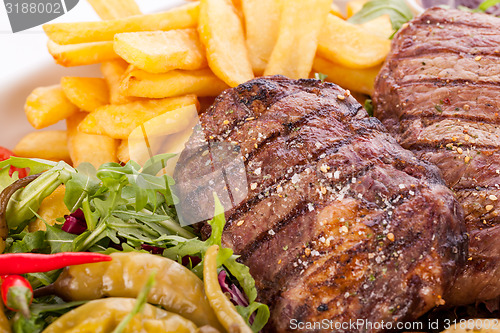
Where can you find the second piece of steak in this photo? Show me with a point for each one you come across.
(438, 93)
(339, 222)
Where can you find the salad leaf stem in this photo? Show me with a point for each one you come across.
(139, 304)
(87, 212)
(89, 240)
(487, 4)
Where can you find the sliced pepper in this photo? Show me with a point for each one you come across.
(104, 315)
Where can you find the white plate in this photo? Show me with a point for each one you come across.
(26, 64)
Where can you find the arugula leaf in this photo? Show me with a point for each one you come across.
(369, 107)
(398, 12)
(156, 163)
(26, 201)
(42, 279)
(261, 317)
(320, 76)
(34, 164)
(37, 309)
(217, 223)
(59, 240)
(487, 4)
(6, 179)
(35, 324)
(42, 315)
(82, 184)
(162, 224)
(242, 274)
(28, 242)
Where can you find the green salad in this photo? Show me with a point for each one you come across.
(116, 208)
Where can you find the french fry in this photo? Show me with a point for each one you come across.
(261, 31)
(118, 121)
(380, 26)
(113, 72)
(222, 34)
(87, 93)
(350, 45)
(95, 149)
(81, 54)
(359, 80)
(174, 83)
(122, 152)
(165, 133)
(113, 9)
(51, 208)
(182, 17)
(49, 145)
(295, 48)
(161, 51)
(46, 106)
(354, 6)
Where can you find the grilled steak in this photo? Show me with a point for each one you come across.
(338, 222)
(438, 94)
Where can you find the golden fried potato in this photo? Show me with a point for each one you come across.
(49, 145)
(162, 51)
(113, 9)
(350, 45)
(81, 54)
(95, 149)
(354, 6)
(165, 133)
(85, 32)
(46, 106)
(113, 72)
(118, 121)
(51, 208)
(261, 30)
(359, 80)
(87, 93)
(122, 152)
(380, 26)
(174, 83)
(300, 25)
(222, 34)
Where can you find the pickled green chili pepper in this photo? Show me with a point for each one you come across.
(104, 315)
(177, 289)
(224, 309)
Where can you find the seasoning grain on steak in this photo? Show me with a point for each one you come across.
(438, 94)
(339, 222)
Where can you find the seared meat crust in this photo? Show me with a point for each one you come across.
(340, 222)
(438, 94)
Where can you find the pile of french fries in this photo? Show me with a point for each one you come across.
(155, 64)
